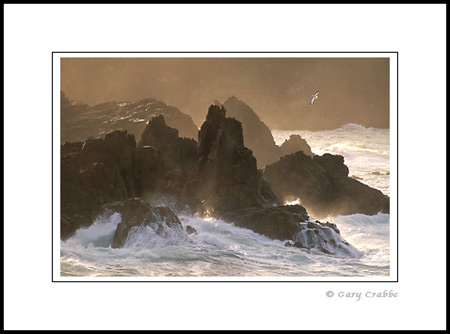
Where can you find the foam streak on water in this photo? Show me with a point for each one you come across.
(220, 249)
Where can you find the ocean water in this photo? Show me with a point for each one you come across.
(220, 249)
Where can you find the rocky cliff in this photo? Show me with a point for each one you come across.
(79, 121)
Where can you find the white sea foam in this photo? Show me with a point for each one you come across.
(99, 234)
(148, 236)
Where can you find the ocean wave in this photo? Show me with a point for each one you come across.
(369, 234)
(353, 127)
(99, 234)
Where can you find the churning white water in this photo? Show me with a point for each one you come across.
(221, 249)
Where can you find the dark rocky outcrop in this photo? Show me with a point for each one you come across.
(294, 144)
(113, 168)
(79, 121)
(279, 222)
(103, 171)
(142, 169)
(218, 177)
(67, 148)
(227, 177)
(136, 213)
(258, 137)
(179, 154)
(292, 223)
(323, 186)
(190, 230)
(229, 186)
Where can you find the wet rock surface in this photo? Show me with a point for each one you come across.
(136, 213)
(227, 177)
(323, 186)
(178, 154)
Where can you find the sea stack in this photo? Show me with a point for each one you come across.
(227, 177)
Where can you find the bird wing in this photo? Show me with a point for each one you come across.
(313, 97)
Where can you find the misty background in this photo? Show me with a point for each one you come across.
(352, 90)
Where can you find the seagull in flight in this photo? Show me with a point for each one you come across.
(314, 97)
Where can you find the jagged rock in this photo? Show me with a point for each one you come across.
(323, 186)
(179, 154)
(104, 180)
(218, 176)
(117, 141)
(77, 203)
(279, 222)
(94, 150)
(142, 170)
(136, 213)
(101, 171)
(324, 237)
(257, 136)
(292, 223)
(158, 134)
(67, 148)
(190, 230)
(227, 178)
(333, 164)
(294, 144)
(80, 121)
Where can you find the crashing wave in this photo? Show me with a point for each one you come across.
(324, 237)
(155, 235)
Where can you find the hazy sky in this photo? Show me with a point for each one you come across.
(352, 90)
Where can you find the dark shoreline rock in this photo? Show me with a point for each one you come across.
(190, 230)
(293, 224)
(323, 186)
(178, 154)
(104, 170)
(137, 213)
(278, 222)
(218, 177)
(294, 144)
(227, 178)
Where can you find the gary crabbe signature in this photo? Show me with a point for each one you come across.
(358, 295)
